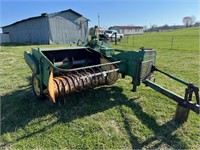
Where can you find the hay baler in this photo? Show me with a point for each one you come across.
(58, 72)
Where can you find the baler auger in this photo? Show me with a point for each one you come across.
(57, 72)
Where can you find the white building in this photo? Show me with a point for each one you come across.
(127, 30)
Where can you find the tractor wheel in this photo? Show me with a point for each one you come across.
(36, 87)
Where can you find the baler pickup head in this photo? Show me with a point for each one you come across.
(62, 71)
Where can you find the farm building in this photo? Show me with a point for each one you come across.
(4, 38)
(126, 30)
(65, 26)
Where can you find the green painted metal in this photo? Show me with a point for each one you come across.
(134, 63)
(32, 62)
(138, 64)
(188, 104)
(171, 76)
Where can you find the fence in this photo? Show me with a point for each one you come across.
(151, 40)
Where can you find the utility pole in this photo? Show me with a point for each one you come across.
(98, 20)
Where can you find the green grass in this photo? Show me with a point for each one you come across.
(183, 39)
(109, 117)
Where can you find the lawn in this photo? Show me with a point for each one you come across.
(109, 117)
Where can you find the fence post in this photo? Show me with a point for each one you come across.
(133, 40)
(172, 42)
(115, 38)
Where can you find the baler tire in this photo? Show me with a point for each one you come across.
(35, 83)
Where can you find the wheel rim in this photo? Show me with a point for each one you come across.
(36, 86)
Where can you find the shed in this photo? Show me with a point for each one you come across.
(61, 27)
(4, 38)
(126, 30)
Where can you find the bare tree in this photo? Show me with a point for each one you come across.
(145, 28)
(193, 19)
(187, 21)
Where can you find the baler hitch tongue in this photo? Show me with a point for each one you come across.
(185, 103)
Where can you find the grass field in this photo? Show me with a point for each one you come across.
(109, 117)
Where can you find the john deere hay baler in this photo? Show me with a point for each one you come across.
(57, 72)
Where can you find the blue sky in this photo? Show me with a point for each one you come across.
(112, 12)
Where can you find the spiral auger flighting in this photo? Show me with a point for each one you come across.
(76, 81)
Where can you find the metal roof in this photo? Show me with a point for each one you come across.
(45, 15)
(127, 27)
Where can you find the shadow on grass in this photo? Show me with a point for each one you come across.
(20, 107)
(162, 133)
